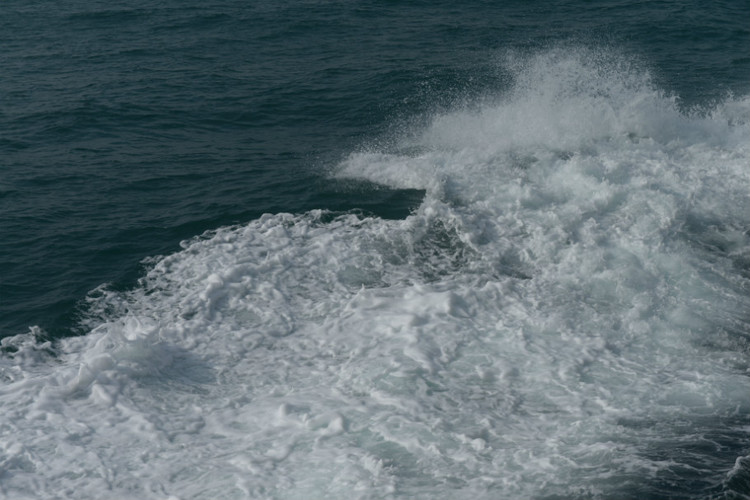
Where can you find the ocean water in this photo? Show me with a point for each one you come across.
(375, 250)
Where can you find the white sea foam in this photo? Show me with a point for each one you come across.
(565, 315)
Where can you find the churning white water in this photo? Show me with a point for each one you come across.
(566, 315)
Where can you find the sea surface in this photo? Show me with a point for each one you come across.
(374, 250)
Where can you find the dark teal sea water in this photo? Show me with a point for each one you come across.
(446, 182)
(127, 128)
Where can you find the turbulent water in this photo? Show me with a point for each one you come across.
(534, 286)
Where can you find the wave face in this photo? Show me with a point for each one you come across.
(565, 315)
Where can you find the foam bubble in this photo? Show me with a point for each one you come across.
(563, 316)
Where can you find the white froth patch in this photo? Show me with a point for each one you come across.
(564, 316)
